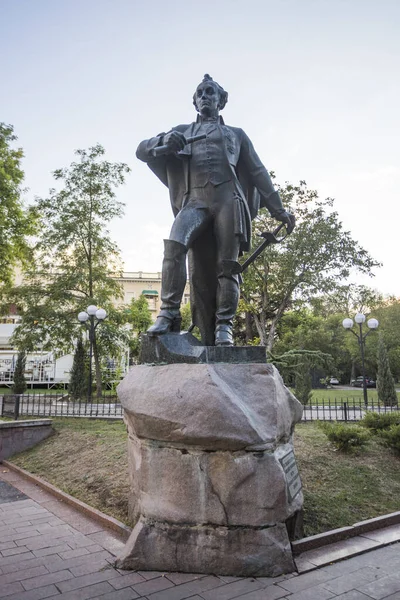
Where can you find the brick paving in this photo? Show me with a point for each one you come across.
(50, 550)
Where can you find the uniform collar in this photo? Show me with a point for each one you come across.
(219, 120)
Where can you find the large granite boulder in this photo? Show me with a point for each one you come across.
(213, 406)
(213, 474)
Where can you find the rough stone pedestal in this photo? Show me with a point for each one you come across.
(212, 469)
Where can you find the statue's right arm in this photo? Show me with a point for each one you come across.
(174, 138)
(144, 150)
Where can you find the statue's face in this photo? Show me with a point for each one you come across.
(207, 99)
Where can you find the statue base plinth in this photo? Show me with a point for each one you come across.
(214, 481)
(173, 348)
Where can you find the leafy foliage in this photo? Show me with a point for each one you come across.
(297, 365)
(303, 384)
(380, 421)
(139, 316)
(16, 224)
(391, 437)
(78, 382)
(19, 385)
(345, 437)
(312, 260)
(76, 261)
(186, 316)
(385, 383)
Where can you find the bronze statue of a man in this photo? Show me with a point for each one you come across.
(216, 185)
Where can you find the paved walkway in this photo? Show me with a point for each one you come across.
(49, 550)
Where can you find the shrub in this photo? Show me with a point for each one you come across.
(380, 421)
(345, 437)
(391, 437)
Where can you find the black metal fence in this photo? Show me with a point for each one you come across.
(61, 405)
(58, 405)
(342, 409)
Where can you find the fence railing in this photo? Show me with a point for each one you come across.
(108, 406)
(342, 409)
(59, 405)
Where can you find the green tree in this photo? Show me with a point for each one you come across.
(19, 385)
(313, 260)
(78, 381)
(385, 383)
(139, 315)
(16, 224)
(140, 319)
(388, 315)
(302, 387)
(76, 260)
(186, 316)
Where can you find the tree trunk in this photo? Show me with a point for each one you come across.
(97, 369)
(248, 326)
(282, 307)
(260, 326)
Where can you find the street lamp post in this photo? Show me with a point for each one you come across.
(91, 318)
(372, 324)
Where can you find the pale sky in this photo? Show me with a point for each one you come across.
(314, 83)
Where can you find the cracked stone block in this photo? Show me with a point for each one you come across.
(245, 552)
(223, 488)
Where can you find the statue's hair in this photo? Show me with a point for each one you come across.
(223, 95)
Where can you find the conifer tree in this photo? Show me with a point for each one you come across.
(19, 385)
(385, 382)
(303, 383)
(78, 377)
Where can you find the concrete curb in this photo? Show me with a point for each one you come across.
(344, 533)
(109, 522)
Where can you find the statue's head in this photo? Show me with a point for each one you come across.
(209, 97)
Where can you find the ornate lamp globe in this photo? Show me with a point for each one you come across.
(347, 323)
(359, 318)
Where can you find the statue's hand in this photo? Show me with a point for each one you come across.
(175, 141)
(289, 219)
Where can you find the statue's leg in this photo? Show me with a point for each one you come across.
(173, 282)
(188, 224)
(228, 243)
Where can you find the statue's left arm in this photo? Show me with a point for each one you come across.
(260, 178)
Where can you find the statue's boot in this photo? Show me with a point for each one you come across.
(173, 281)
(227, 301)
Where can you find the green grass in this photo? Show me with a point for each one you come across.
(352, 397)
(341, 489)
(88, 459)
(6, 390)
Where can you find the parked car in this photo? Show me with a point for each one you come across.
(371, 383)
(334, 381)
